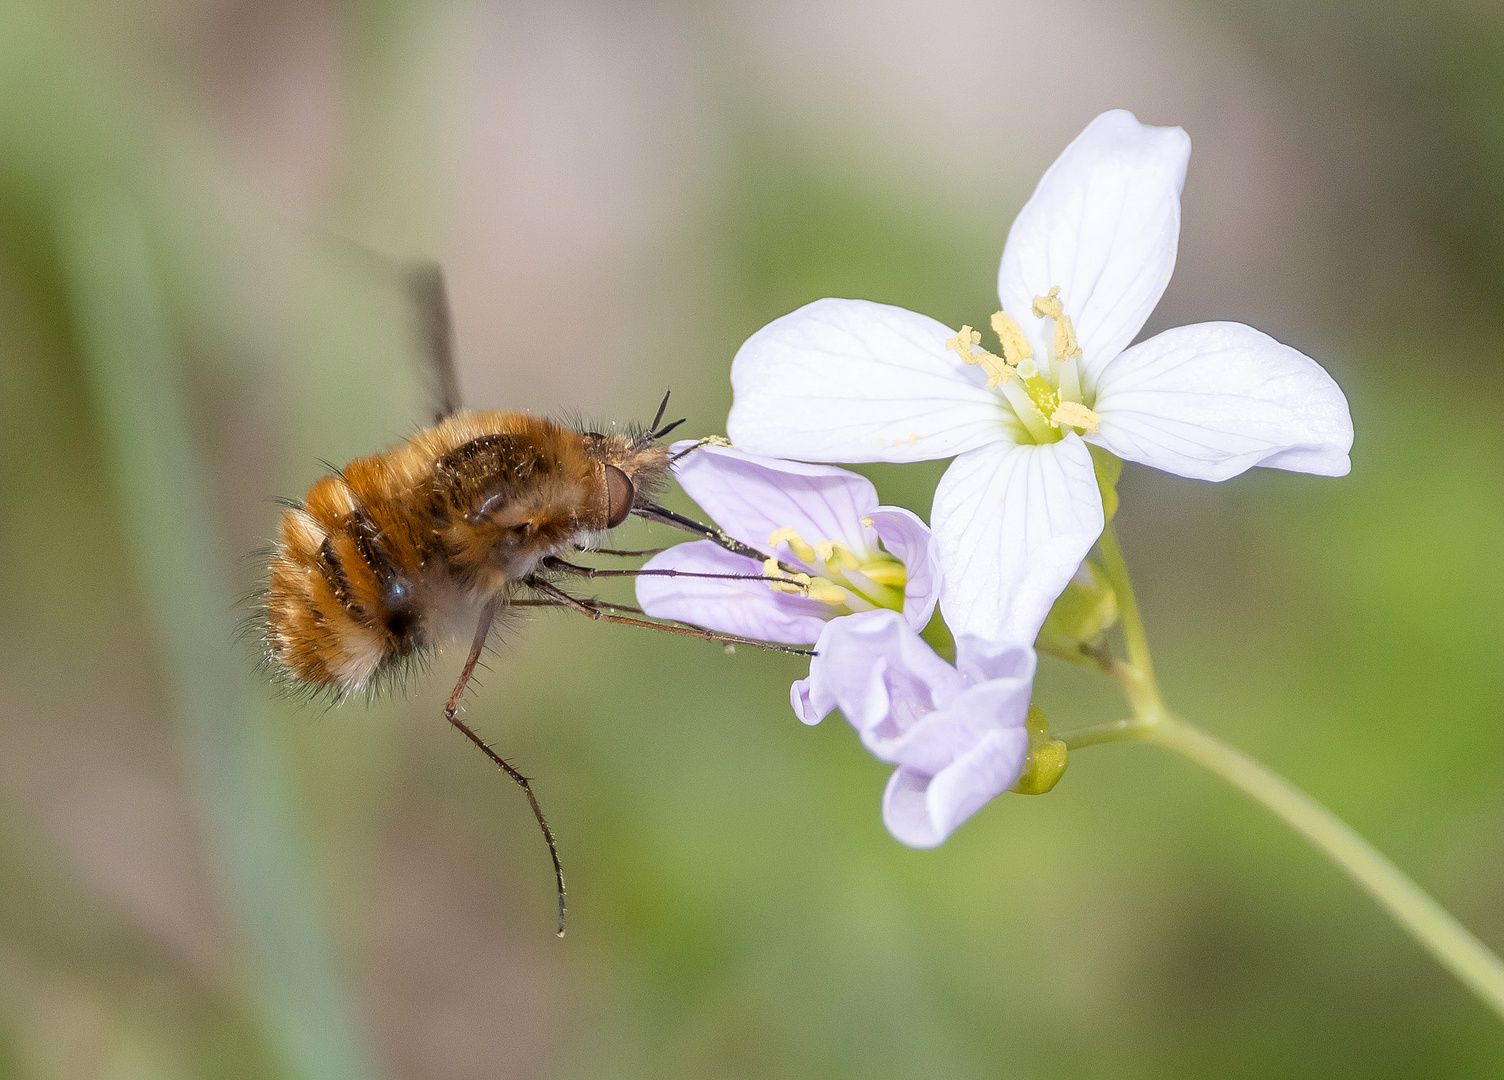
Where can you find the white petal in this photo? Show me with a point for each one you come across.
(1103, 224)
(848, 380)
(1011, 524)
(1212, 400)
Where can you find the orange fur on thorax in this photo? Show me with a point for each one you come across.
(388, 555)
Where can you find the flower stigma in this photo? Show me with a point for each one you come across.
(1045, 399)
(840, 578)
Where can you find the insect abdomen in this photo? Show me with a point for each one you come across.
(342, 601)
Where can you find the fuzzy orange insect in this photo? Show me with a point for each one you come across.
(402, 550)
(396, 553)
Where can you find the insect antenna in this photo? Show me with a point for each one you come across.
(594, 609)
(662, 408)
(451, 707)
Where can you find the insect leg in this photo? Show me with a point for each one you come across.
(553, 562)
(451, 707)
(664, 516)
(425, 281)
(592, 609)
(646, 553)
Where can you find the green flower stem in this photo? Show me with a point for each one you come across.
(1423, 918)
(1137, 676)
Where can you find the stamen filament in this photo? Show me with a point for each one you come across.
(1067, 379)
(857, 602)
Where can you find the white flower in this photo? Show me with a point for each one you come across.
(1085, 263)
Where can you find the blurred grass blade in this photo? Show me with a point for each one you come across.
(226, 733)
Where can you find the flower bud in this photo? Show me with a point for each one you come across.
(1046, 762)
(1086, 610)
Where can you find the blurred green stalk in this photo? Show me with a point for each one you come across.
(225, 730)
(1431, 925)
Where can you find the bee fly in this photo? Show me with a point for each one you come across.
(430, 540)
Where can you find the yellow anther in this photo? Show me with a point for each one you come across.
(788, 583)
(1077, 416)
(1066, 347)
(965, 345)
(1051, 307)
(1016, 347)
(837, 556)
(868, 522)
(802, 551)
(1048, 307)
(827, 593)
(887, 572)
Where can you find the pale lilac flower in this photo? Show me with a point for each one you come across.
(956, 734)
(1085, 263)
(847, 553)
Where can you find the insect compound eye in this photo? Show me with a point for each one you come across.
(619, 496)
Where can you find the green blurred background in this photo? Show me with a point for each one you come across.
(199, 879)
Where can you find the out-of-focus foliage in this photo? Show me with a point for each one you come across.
(621, 196)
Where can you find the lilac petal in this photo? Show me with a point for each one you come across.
(922, 810)
(880, 674)
(947, 734)
(907, 538)
(812, 700)
(752, 497)
(957, 744)
(1212, 400)
(848, 380)
(747, 608)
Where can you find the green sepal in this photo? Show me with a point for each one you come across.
(1046, 762)
(1108, 467)
(1084, 612)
